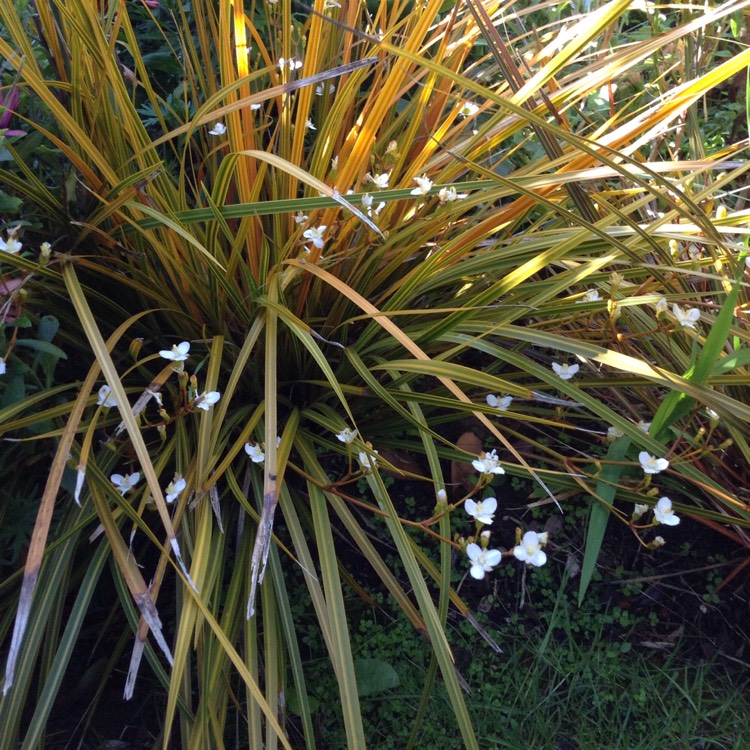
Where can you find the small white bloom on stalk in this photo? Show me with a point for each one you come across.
(315, 235)
(310, 125)
(501, 404)
(255, 452)
(105, 399)
(657, 542)
(380, 180)
(300, 218)
(652, 464)
(591, 296)
(292, 63)
(424, 184)
(12, 245)
(530, 549)
(206, 400)
(565, 372)
(643, 426)
(178, 352)
(367, 462)
(664, 513)
(661, 305)
(449, 194)
(347, 435)
(613, 433)
(468, 109)
(219, 129)
(45, 251)
(686, 318)
(483, 511)
(125, 483)
(2, 365)
(482, 560)
(638, 510)
(488, 463)
(255, 107)
(175, 488)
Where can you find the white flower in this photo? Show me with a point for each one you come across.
(309, 124)
(315, 235)
(483, 510)
(2, 365)
(686, 318)
(530, 550)
(335, 163)
(45, 251)
(661, 305)
(663, 512)
(347, 435)
(652, 464)
(638, 510)
(488, 463)
(292, 63)
(125, 483)
(658, 542)
(424, 183)
(300, 218)
(501, 404)
(12, 245)
(105, 399)
(174, 488)
(442, 496)
(591, 296)
(565, 372)
(178, 352)
(367, 200)
(206, 400)
(613, 433)
(367, 462)
(331, 4)
(380, 180)
(255, 452)
(255, 107)
(643, 426)
(219, 129)
(468, 109)
(449, 194)
(482, 560)
(320, 89)
(380, 207)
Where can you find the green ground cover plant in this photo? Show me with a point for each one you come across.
(263, 265)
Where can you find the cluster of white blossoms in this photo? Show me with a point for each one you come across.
(179, 354)
(483, 559)
(663, 512)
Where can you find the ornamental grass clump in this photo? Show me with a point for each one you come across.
(461, 217)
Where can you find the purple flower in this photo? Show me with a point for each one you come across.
(8, 105)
